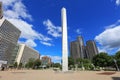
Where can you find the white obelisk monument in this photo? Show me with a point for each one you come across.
(64, 41)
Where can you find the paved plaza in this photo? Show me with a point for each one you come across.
(53, 75)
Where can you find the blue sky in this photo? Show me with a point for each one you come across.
(40, 23)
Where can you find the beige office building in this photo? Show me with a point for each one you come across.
(25, 53)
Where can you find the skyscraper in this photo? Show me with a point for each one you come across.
(9, 35)
(77, 48)
(64, 41)
(81, 46)
(91, 48)
(74, 50)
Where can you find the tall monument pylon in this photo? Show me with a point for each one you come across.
(64, 41)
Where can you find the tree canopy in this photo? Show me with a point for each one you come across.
(102, 60)
(117, 57)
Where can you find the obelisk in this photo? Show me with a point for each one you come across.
(64, 41)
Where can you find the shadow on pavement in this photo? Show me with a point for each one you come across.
(106, 73)
(116, 78)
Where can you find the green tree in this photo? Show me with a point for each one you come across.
(15, 65)
(37, 63)
(79, 60)
(20, 65)
(56, 65)
(30, 63)
(117, 57)
(102, 60)
(86, 63)
(70, 61)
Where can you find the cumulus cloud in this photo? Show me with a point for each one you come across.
(117, 2)
(118, 49)
(30, 43)
(109, 39)
(18, 9)
(27, 31)
(15, 11)
(53, 30)
(46, 43)
(101, 49)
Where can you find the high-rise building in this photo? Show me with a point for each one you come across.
(74, 50)
(91, 48)
(25, 53)
(9, 35)
(81, 46)
(77, 48)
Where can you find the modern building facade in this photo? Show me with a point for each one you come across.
(46, 61)
(74, 50)
(14, 54)
(79, 50)
(81, 46)
(91, 48)
(9, 35)
(25, 53)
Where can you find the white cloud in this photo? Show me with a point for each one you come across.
(15, 11)
(54, 58)
(101, 49)
(118, 49)
(30, 43)
(18, 9)
(53, 30)
(8, 2)
(117, 2)
(27, 31)
(46, 43)
(110, 37)
(113, 25)
(78, 31)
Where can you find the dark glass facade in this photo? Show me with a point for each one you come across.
(91, 48)
(79, 50)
